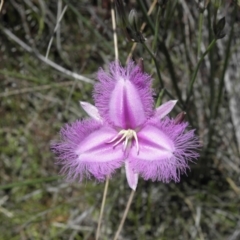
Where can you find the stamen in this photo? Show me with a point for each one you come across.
(117, 136)
(136, 139)
(125, 143)
(127, 136)
(123, 136)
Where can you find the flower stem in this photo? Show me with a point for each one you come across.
(197, 68)
(102, 208)
(141, 29)
(114, 30)
(164, 50)
(156, 65)
(200, 25)
(155, 39)
(225, 65)
(217, 102)
(124, 215)
(159, 99)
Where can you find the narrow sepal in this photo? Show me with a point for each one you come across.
(164, 109)
(91, 110)
(132, 177)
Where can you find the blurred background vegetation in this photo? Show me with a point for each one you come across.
(198, 65)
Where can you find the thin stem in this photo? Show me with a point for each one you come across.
(150, 23)
(55, 30)
(164, 50)
(155, 39)
(116, 58)
(102, 208)
(171, 70)
(1, 4)
(114, 30)
(200, 24)
(156, 65)
(141, 29)
(165, 91)
(159, 99)
(221, 85)
(45, 60)
(197, 68)
(124, 215)
(169, 12)
(217, 102)
(212, 69)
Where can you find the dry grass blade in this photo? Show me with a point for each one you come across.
(44, 59)
(55, 30)
(1, 5)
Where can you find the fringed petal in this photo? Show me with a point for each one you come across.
(84, 150)
(165, 150)
(124, 96)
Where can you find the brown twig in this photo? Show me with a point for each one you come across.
(1, 5)
(124, 215)
(102, 208)
(45, 60)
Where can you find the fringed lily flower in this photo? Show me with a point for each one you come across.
(125, 129)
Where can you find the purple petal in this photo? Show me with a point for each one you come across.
(124, 96)
(91, 110)
(164, 109)
(154, 144)
(132, 177)
(84, 150)
(165, 149)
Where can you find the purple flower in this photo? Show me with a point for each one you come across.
(124, 128)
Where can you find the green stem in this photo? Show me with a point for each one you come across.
(164, 51)
(171, 71)
(149, 21)
(227, 54)
(102, 208)
(200, 24)
(212, 69)
(197, 68)
(159, 99)
(221, 85)
(124, 215)
(156, 65)
(170, 7)
(156, 30)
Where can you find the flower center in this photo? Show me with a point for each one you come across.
(125, 136)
